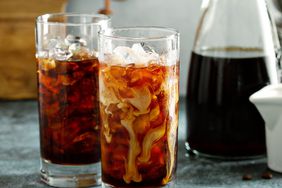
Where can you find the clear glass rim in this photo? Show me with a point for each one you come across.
(44, 19)
(165, 33)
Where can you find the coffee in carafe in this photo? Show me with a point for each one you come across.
(233, 57)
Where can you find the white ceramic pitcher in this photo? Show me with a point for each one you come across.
(268, 101)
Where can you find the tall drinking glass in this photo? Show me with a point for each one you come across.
(68, 98)
(138, 91)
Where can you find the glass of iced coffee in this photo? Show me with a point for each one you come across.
(67, 69)
(139, 94)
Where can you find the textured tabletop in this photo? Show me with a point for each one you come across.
(19, 156)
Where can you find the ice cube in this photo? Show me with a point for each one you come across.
(125, 55)
(145, 53)
(57, 49)
(80, 52)
(61, 52)
(134, 55)
(138, 49)
(52, 43)
(70, 39)
(75, 47)
(83, 42)
(148, 49)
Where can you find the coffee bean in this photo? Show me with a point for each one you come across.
(266, 175)
(247, 177)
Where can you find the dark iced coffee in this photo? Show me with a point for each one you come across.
(69, 112)
(67, 70)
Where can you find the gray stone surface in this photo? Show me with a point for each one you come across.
(19, 156)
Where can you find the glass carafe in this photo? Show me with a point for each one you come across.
(233, 57)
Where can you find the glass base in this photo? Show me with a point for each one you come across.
(169, 185)
(70, 176)
(195, 153)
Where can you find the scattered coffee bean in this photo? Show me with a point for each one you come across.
(266, 175)
(247, 177)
